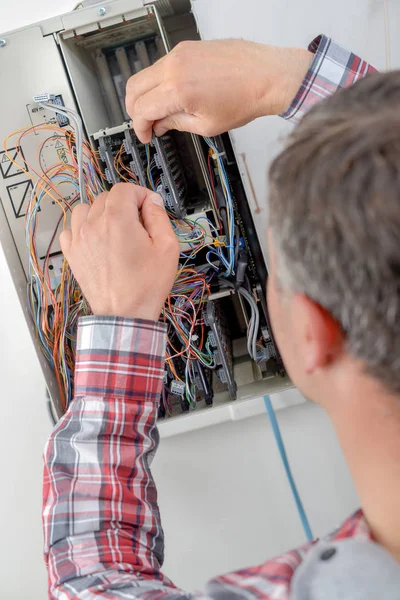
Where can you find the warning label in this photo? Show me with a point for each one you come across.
(7, 167)
(20, 194)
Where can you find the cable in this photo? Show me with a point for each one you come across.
(289, 474)
(54, 298)
(253, 324)
(78, 126)
(230, 234)
(55, 302)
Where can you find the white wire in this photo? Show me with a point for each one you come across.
(78, 126)
(254, 323)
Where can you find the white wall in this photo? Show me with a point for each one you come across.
(226, 503)
(223, 495)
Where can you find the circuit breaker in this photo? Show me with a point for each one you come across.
(66, 138)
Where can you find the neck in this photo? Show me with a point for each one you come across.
(367, 421)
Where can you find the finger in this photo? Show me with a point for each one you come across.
(153, 106)
(142, 82)
(66, 241)
(181, 122)
(79, 215)
(155, 220)
(143, 129)
(126, 200)
(98, 206)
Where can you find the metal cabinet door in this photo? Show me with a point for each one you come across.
(29, 64)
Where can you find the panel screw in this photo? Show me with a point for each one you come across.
(3, 43)
(102, 11)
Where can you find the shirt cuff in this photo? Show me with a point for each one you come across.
(333, 67)
(120, 357)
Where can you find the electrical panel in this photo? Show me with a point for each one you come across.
(67, 138)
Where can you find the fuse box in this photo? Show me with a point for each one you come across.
(220, 344)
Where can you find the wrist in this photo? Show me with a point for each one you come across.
(283, 80)
(146, 313)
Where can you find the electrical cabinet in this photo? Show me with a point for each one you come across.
(221, 355)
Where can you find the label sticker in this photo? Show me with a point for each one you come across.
(7, 167)
(20, 194)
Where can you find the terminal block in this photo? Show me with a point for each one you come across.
(138, 156)
(221, 341)
(172, 178)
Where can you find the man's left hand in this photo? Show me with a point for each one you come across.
(123, 252)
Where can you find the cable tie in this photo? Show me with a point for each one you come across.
(216, 155)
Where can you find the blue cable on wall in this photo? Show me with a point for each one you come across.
(289, 474)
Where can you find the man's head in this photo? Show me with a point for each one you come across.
(334, 289)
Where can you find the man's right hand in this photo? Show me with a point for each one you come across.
(210, 87)
(123, 252)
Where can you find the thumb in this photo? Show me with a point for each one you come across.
(179, 121)
(65, 242)
(155, 220)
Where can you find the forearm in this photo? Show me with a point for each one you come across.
(100, 502)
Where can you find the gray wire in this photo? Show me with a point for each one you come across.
(254, 323)
(78, 126)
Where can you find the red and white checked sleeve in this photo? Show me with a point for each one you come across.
(333, 67)
(102, 526)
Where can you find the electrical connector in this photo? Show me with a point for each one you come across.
(157, 161)
(222, 376)
(265, 334)
(196, 233)
(241, 267)
(44, 97)
(263, 354)
(178, 388)
(211, 339)
(108, 176)
(217, 358)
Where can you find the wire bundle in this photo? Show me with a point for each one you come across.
(56, 302)
(184, 313)
(225, 252)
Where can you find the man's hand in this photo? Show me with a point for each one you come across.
(210, 87)
(123, 252)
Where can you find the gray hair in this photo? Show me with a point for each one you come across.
(335, 217)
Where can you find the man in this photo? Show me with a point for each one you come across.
(334, 297)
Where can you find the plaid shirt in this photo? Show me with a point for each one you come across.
(102, 528)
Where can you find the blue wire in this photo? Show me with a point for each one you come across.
(282, 452)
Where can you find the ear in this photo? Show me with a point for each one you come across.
(319, 336)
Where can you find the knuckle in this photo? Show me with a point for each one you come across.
(172, 244)
(130, 85)
(118, 188)
(118, 192)
(140, 106)
(85, 230)
(78, 209)
(64, 239)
